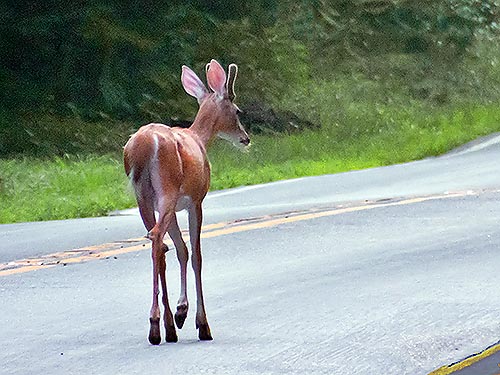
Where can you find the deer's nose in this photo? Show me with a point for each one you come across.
(245, 141)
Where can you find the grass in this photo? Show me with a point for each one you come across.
(405, 136)
(33, 189)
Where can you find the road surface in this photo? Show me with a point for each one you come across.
(385, 271)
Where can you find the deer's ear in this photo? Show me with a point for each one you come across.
(192, 84)
(216, 77)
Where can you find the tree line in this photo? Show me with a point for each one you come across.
(99, 60)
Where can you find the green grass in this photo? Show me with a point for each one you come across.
(61, 188)
(397, 137)
(33, 189)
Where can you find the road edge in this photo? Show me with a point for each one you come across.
(467, 361)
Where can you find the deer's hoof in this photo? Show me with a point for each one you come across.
(180, 315)
(154, 331)
(204, 332)
(170, 334)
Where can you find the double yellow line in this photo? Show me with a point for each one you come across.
(113, 249)
(108, 250)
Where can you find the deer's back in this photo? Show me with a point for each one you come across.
(172, 158)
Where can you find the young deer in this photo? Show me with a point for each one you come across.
(169, 170)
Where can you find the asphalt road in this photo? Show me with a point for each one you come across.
(360, 277)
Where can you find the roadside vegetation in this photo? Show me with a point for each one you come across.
(34, 189)
(381, 82)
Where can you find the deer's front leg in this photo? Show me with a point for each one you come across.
(195, 218)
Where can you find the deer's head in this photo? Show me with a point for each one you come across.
(218, 102)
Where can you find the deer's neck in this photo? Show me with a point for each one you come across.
(204, 125)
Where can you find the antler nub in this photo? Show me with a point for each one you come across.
(232, 73)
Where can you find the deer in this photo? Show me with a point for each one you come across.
(169, 171)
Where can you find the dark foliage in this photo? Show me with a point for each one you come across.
(95, 61)
(259, 118)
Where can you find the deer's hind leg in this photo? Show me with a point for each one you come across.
(182, 256)
(166, 208)
(145, 200)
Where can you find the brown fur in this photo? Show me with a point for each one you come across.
(169, 170)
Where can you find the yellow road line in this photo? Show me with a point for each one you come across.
(24, 269)
(450, 369)
(220, 229)
(213, 230)
(102, 251)
(309, 216)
